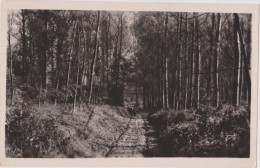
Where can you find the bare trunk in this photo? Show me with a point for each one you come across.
(78, 68)
(245, 57)
(166, 62)
(199, 70)
(11, 61)
(180, 65)
(196, 68)
(236, 61)
(216, 64)
(44, 49)
(24, 46)
(93, 64)
(83, 66)
(76, 88)
(69, 66)
(186, 64)
(192, 65)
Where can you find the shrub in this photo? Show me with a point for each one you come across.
(28, 135)
(206, 132)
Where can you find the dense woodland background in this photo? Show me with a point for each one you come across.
(163, 62)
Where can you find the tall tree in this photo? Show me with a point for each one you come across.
(236, 61)
(165, 54)
(93, 63)
(24, 44)
(69, 61)
(245, 56)
(216, 63)
(10, 54)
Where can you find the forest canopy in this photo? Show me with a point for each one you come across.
(163, 59)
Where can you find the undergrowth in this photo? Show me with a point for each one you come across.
(28, 135)
(58, 131)
(206, 132)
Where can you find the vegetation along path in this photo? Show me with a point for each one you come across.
(136, 141)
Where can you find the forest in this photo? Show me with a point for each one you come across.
(71, 75)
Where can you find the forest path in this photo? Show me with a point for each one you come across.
(136, 141)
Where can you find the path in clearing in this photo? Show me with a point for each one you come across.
(136, 141)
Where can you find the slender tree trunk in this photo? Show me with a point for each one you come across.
(119, 77)
(24, 46)
(153, 97)
(245, 57)
(192, 64)
(107, 54)
(180, 64)
(236, 60)
(241, 74)
(196, 68)
(83, 64)
(56, 91)
(176, 70)
(40, 93)
(166, 63)
(210, 56)
(136, 94)
(69, 66)
(216, 64)
(78, 68)
(93, 64)
(76, 88)
(239, 77)
(186, 64)
(199, 70)
(163, 78)
(58, 65)
(144, 95)
(44, 49)
(11, 59)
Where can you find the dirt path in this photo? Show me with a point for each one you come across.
(136, 141)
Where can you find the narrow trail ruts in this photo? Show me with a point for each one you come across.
(135, 141)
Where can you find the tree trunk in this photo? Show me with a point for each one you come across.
(196, 68)
(69, 66)
(10, 22)
(210, 56)
(93, 63)
(136, 94)
(175, 70)
(180, 65)
(83, 65)
(44, 49)
(58, 65)
(166, 63)
(236, 60)
(107, 54)
(192, 64)
(216, 64)
(24, 46)
(186, 64)
(78, 68)
(246, 58)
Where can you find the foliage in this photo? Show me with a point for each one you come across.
(206, 132)
(30, 136)
(49, 131)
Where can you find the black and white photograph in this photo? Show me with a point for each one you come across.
(128, 84)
